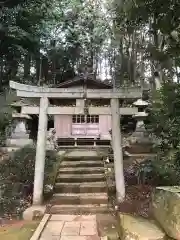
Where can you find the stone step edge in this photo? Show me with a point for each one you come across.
(84, 175)
(81, 162)
(76, 169)
(80, 205)
(82, 184)
(62, 208)
(82, 195)
(86, 158)
(82, 198)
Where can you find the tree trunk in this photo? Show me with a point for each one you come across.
(45, 68)
(134, 58)
(27, 65)
(38, 67)
(1, 73)
(13, 69)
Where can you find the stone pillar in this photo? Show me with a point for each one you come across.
(117, 149)
(40, 152)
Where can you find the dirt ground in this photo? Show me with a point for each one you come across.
(138, 201)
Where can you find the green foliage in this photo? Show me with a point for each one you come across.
(140, 11)
(125, 33)
(17, 177)
(158, 171)
(22, 26)
(156, 25)
(29, 28)
(164, 123)
(164, 117)
(22, 29)
(5, 122)
(80, 30)
(5, 116)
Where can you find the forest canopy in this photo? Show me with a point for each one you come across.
(127, 42)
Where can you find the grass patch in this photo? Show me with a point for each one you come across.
(18, 232)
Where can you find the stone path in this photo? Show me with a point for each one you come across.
(71, 227)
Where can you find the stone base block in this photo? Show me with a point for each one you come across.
(34, 213)
(18, 142)
(166, 209)
(137, 228)
(137, 148)
(9, 149)
(139, 137)
(19, 136)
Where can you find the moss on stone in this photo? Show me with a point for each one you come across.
(166, 209)
(137, 228)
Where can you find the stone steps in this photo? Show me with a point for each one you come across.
(80, 198)
(85, 187)
(79, 209)
(80, 186)
(76, 170)
(80, 177)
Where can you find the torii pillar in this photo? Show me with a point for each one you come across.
(40, 152)
(117, 149)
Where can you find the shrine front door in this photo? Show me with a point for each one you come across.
(85, 126)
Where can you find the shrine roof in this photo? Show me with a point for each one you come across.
(89, 80)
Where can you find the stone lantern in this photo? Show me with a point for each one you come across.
(19, 136)
(140, 132)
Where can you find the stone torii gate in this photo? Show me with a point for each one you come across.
(45, 93)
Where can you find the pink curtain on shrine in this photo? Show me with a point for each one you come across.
(63, 125)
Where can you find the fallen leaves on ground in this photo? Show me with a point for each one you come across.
(137, 201)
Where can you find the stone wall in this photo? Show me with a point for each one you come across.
(166, 209)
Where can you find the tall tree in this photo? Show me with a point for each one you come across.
(158, 22)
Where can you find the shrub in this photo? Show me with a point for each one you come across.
(5, 122)
(163, 123)
(155, 172)
(17, 177)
